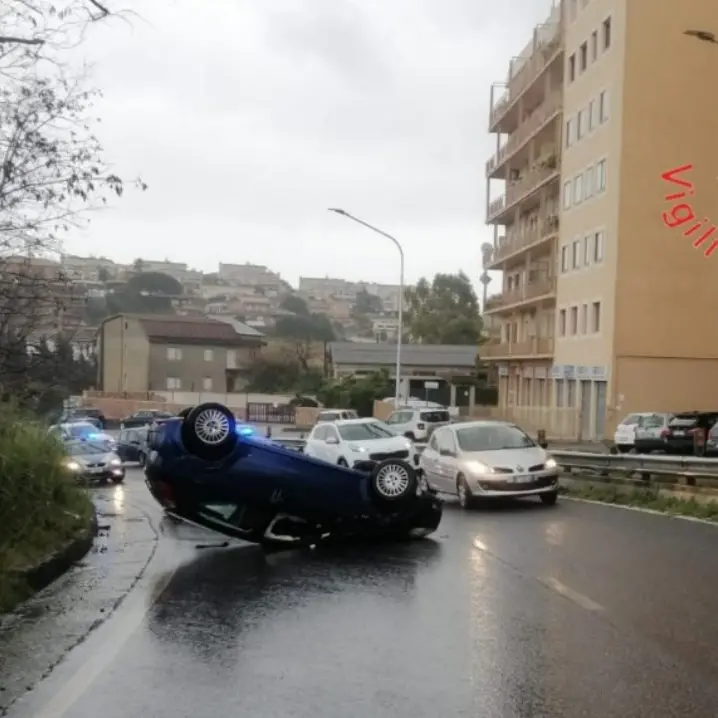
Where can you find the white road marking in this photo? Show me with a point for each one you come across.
(574, 596)
(77, 686)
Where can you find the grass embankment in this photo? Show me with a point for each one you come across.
(645, 498)
(42, 509)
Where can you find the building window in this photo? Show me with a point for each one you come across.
(567, 195)
(564, 259)
(580, 126)
(596, 317)
(607, 33)
(594, 45)
(603, 107)
(572, 68)
(584, 319)
(207, 383)
(587, 250)
(578, 189)
(574, 321)
(601, 176)
(174, 354)
(208, 355)
(591, 115)
(583, 57)
(598, 247)
(576, 254)
(588, 183)
(174, 383)
(562, 323)
(569, 132)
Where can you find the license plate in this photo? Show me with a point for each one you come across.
(520, 479)
(679, 433)
(96, 471)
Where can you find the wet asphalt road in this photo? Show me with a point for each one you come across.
(525, 611)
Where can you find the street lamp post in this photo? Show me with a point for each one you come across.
(400, 318)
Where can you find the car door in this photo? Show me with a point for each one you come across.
(430, 463)
(315, 443)
(447, 460)
(332, 444)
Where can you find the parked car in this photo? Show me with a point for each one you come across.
(85, 413)
(143, 418)
(712, 441)
(681, 429)
(489, 459)
(83, 431)
(650, 434)
(205, 469)
(132, 444)
(336, 415)
(624, 438)
(351, 441)
(417, 424)
(90, 461)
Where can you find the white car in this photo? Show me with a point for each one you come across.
(624, 440)
(83, 431)
(349, 441)
(417, 424)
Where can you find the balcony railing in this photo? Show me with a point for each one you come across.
(524, 186)
(525, 131)
(536, 346)
(543, 54)
(514, 242)
(526, 293)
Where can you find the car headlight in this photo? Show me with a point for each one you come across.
(73, 466)
(550, 464)
(357, 449)
(115, 462)
(476, 467)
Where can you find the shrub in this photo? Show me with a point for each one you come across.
(41, 505)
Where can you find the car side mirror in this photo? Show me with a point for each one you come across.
(332, 440)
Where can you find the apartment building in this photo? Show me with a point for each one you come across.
(607, 276)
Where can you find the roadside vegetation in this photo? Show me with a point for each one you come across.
(645, 498)
(42, 508)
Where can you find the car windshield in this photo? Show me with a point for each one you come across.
(435, 417)
(85, 448)
(493, 437)
(364, 432)
(80, 430)
(683, 421)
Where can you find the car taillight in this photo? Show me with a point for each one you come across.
(665, 433)
(421, 426)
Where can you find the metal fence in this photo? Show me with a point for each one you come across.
(260, 413)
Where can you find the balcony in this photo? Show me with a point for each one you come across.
(546, 50)
(534, 348)
(539, 118)
(519, 190)
(512, 299)
(515, 243)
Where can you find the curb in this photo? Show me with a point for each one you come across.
(53, 567)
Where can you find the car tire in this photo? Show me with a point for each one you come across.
(466, 498)
(209, 431)
(550, 498)
(118, 479)
(410, 435)
(393, 481)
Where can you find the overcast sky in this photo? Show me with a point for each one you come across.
(249, 118)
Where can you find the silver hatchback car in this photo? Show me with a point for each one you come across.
(489, 459)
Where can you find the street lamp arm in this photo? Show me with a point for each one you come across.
(371, 227)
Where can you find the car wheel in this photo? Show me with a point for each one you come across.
(393, 481)
(209, 431)
(142, 459)
(118, 479)
(410, 435)
(550, 498)
(343, 462)
(466, 498)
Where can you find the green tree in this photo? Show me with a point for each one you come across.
(297, 305)
(304, 332)
(443, 312)
(356, 392)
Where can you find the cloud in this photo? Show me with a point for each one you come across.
(248, 118)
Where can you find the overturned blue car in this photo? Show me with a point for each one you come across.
(205, 468)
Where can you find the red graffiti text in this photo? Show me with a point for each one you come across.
(682, 216)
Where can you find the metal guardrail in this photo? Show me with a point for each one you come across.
(688, 467)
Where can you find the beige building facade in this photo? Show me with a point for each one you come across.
(605, 131)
